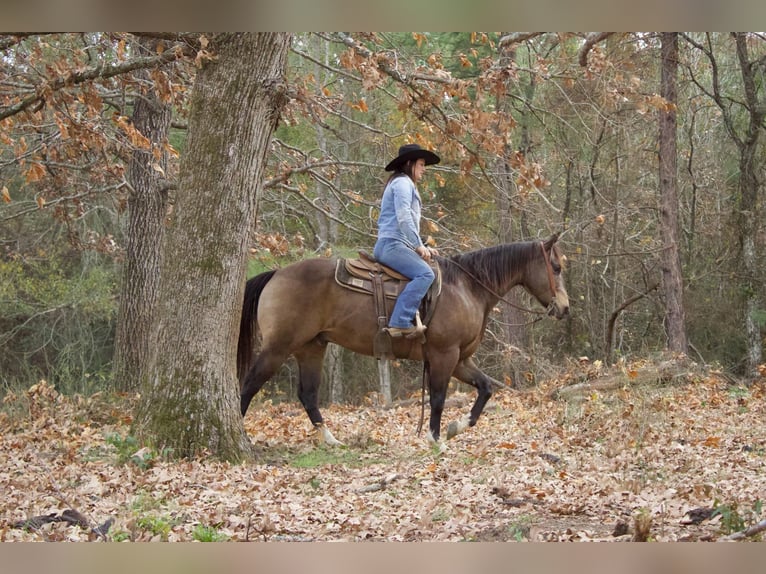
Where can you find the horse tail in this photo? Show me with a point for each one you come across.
(249, 320)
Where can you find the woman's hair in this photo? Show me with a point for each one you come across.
(405, 168)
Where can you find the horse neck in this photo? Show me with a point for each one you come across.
(514, 259)
(496, 270)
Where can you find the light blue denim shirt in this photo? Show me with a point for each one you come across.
(400, 212)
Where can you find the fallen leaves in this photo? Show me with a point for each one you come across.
(638, 461)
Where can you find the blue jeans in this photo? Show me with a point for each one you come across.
(397, 255)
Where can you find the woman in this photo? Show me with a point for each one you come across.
(399, 245)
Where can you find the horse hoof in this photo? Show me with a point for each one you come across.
(456, 427)
(324, 436)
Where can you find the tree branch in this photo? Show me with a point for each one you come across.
(616, 313)
(517, 37)
(80, 77)
(591, 40)
(309, 167)
(747, 533)
(8, 40)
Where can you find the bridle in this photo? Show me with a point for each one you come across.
(549, 268)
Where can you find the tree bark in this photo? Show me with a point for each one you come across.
(672, 277)
(189, 398)
(749, 188)
(511, 315)
(334, 372)
(147, 205)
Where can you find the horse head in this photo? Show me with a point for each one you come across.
(546, 282)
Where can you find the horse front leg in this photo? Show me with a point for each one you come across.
(310, 360)
(466, 371)
(438, 380)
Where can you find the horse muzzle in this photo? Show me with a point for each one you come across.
(558, 308)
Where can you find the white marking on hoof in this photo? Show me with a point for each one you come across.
(437, 445)
(325, 436)
(456, 427)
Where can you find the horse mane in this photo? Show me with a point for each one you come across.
(491, 265)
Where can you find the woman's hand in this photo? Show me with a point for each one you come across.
(426, 252)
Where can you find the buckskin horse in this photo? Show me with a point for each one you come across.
(300, 308)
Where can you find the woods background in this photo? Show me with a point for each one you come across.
(538, 133)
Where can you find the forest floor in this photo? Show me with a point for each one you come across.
(646, 451)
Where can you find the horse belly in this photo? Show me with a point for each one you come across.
(296, 308)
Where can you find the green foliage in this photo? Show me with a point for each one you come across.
(759, 316)
(502, 110)
(734, 520)
(520, 527)
(120, 536)
(129, 451)
(152, 514)
(157, 525)
(56, 322)
(125, 446)
(319, 457)
(202, 533)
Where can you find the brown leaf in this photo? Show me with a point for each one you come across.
(36, 172)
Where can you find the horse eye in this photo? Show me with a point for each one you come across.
(556, 268)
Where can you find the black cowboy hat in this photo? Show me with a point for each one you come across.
(411, 152)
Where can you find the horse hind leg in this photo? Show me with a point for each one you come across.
(310, 360)
(266, 364)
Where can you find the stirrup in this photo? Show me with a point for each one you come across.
(406, 332)
(413, 332)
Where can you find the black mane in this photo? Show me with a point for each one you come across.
(491, 266)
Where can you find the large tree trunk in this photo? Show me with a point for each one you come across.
(189, 398)
(147, 205)
(749, 188)
(327, 230)
(672, 279)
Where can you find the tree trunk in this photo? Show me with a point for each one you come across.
(672, 279)
(514, 319)
(189, 398)
(334, 372)
(147, 206)
(749, 188)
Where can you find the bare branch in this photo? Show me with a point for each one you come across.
(747, 533)
(517, 37)
(591, 40)
(308, 168)
(616, 313)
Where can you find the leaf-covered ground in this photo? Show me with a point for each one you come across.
(629, 454)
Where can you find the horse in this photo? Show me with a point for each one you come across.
(300, 308)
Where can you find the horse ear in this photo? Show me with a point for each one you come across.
(551, 240)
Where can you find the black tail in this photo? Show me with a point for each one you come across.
(248, 321)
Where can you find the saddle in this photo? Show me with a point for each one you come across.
(360, 275)
(368, 276)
